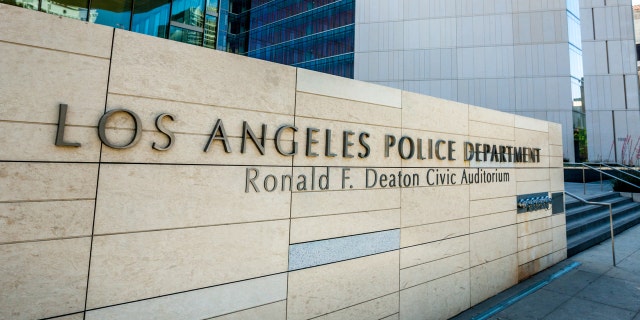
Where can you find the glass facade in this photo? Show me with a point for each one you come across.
(311, 34)
(577, 81)
(189, 21)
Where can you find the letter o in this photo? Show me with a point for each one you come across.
(103, 123)
(266, 183)
(412, 147)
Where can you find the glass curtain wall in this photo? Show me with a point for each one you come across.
(311, 34)
(189, 21)
(577, 81)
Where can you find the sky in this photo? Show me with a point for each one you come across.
(635, 2)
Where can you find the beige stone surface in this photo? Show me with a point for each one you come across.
(492, 221)
(491, 116)
(534, 226)
(77, 316)
(430, 271)
(555, 162)
(556, 181)
(526, 187)
(422, 112)
(535, 239)
(559, 238)
(533, 215)
(334, 86)
(434, 162)
(309, 204)
(28, 221)
(126, 267)
(534, 253)
(533, 139)
(340, 225)
(273, 311)
(439, 299)
(376, 141)
(558, 220)
(42, 146)
(43, 279)
(531, 124)
(315, 106)
(203, 303)
(428, 205)
(316, 291)
(490, 130)
(532, 267)
(79, 81)
(437, 250)
(503, 189)
(62, 34)
(492, 205)
(392, 317)
(493, 244)
(533, 174)
(148, 197)
(555, 134)
(374, 309)
(20, 181)
(155, 68)
(555, 151)
(478, 159)
(493, 277)
(412, 236)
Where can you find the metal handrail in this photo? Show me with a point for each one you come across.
(584, 183)
(613, 249)
(633, 169)
(616, 169)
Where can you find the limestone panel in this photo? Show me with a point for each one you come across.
(490, 131)
(558, 220)
(493, 277)
(375, 141)
(533, 139)
(556, 181)
(534, 253)
(531, 124)
(534, 226)
(506, 188)
(532, 267)
(43, 279)
(49, 83)
(333, 226)
(309, 204)
(77, 316)
(331, 108)
(533, 215)
(47, 181)
(28, 221)
(555, 151)
(527, 187)
(536, 239)
(492, 221)
(155, 68)
(422, 112)
(478, 157)
(438, 149)
(61, 34)
(537, 174)
(126, 267)
(151, 197)
(439, 299)
(425, 253)
(493, 205)
(427, 205)
(273, 311)
(429, 271)
(559, 238)
(555, 134)
(203, 303)
(493, 244)
(333, 86)
(42, 143)
(491, 116)
(316, 291)
(375, 309)
(412, 236)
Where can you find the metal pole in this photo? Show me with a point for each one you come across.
(613, 249)
(584, 183)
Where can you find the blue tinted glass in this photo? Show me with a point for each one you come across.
(189, 12)
(151, 17)
(116, 14)
(73, 9)
(210, 26)
(185, 35)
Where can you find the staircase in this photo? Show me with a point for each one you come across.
(588, 225)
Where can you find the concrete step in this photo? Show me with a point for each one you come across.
(588, 225)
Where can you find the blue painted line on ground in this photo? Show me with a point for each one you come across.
(524, 293)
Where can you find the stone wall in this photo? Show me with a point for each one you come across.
(204, 229)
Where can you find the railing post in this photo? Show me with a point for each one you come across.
(584, 183)
(613, 246)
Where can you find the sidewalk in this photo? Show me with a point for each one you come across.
(593, 290)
